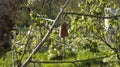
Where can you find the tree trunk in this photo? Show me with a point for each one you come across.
(8, 14)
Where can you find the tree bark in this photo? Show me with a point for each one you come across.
(8, 14)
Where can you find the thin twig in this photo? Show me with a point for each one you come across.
(96, 16)
(118, 57)
(76, 64)
(28, 36)
(90, 59)
(13, 59)
(43, 5)
(114, 49)
(49, 62)
(103, 39)
(46, 36)
(42, 17)
(80, 14)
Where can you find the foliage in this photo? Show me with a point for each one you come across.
(87, 37)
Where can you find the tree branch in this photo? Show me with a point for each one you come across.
(102, 38)
(46, 36)
(114, 49)
(83, 14)
(47, 19)
(27, 37)
(73, 62)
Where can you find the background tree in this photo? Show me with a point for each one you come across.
(88, 43)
